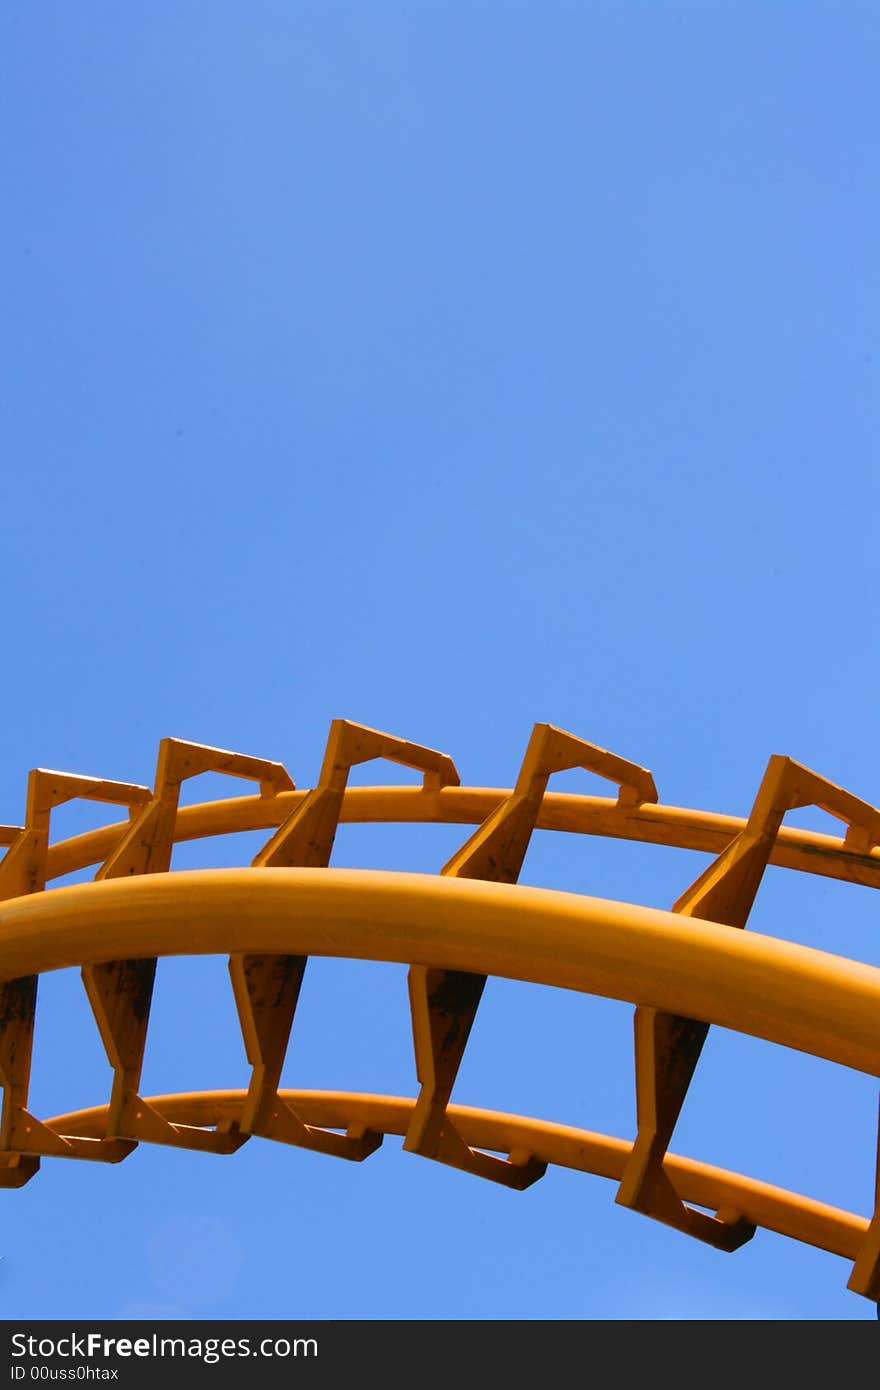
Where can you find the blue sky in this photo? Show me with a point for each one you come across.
(446, 368)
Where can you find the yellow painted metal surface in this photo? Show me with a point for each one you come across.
(584, 1151)
(786, 993)
(675, 826)
(684, 969)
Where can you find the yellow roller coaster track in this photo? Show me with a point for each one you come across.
(683, 969)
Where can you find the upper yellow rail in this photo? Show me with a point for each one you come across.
(674, 826)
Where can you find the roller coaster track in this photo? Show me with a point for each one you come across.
(683, 970)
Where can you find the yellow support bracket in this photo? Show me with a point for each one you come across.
(147, 845)
(23, 871)
(668, 1047)
(21, 1133)
(120, 992)
(266, 988)
(865, 1277)
(443, 1003)
(23, 868)
(305, 839)
(17, 1169)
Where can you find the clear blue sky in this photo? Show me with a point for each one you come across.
(446, 368)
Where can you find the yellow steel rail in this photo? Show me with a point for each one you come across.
(584, 1151)
(684, 969)
(776, 990)
(674, 826)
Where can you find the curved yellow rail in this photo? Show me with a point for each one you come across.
(683, 969)
(585, 1151)
(676, 827)
(772, 989)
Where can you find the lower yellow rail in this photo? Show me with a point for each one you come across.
(602, 1155)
